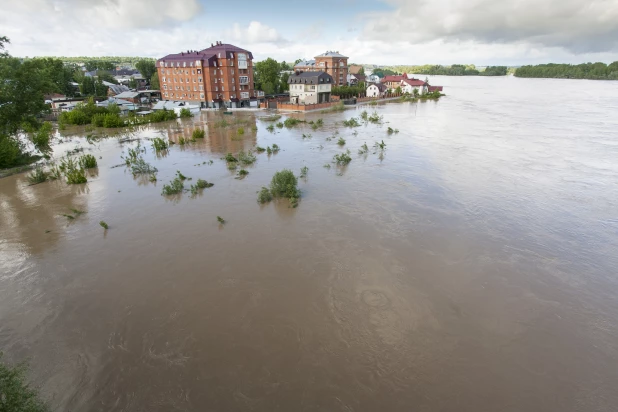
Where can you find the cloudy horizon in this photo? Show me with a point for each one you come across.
(383, 32)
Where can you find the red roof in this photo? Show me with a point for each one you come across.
(414, 82)
(435, 88)
(392, 79)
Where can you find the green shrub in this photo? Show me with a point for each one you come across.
(243, 172)
(38, 175)
(380, 146)
(104, 225)
(304, 171)
(341, 141)
(352, 122)
(88, 161)
(230, 158)
(203, 184)
(76, 176)
(199, 133)
(279, 125)
(174, 187)
(16, 395)
(246, 158)
(220, 220)
(264, 196)
(270, 128)
(159, 144)
(241, 130)
(292, 121)
(375, 118)
(343, 158)
(364, 115)
(275, 148)
(260, 149)
(284, 184)
(390, 130)
(140, 166)
(364, 149)
(185, 113)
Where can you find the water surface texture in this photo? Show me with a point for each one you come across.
(471, 267)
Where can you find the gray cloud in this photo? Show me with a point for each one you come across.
(575, 25)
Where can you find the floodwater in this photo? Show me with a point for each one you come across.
(471, 267)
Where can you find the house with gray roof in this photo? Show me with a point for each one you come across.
(310, 87)
(331, 62)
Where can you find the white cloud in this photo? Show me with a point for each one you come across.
(577, 25)
(256, 32)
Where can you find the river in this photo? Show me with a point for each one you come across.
(472, 266)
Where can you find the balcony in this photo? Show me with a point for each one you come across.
(260, 93)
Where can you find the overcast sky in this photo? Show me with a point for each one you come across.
(483, 32)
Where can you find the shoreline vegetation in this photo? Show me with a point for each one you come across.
(590, 71)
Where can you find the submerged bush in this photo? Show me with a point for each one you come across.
(230, 158)
(174, 187)
(375, 118)
(270, 128)
(291, 122)
(185, 113)
(364, 149)
(200, 184)
(264, 195)
(88, 161)
(284, 184)
(15, 391)
(352, 122)
(199, 133)
(272, 118)
(341, 141)
(390, 130)
(275, 148)
(140, 166)
(342, 159)
(159, 144)
(304, 171)
(260, 149)
(104, 225)
(246, 158)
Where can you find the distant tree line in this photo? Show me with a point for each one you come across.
(453, 70)
(593, 71)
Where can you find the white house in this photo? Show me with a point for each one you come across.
(373, 78)
(376, 90)
(408, 86)
(310, 87)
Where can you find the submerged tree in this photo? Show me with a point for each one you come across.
(16, 395)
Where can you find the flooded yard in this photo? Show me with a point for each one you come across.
(470, 265)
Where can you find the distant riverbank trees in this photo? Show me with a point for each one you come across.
(453, 70)
(593, 71)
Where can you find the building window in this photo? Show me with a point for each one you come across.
(168, 71)
(199, 79)
(165, 87)
(222, 88)
(199, 71)
(215, 80)
(219, 55)
(180, 80)
(243, 79)
(188, 80)
(233, 88)
(216, 88)
(166, 94)
(194, 80)
(232, 71)
(192, 71)
(233, 80)
(201, 95)
(244, 95)
(201, 87)
(194, 88)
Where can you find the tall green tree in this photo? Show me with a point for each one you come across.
(16, 395)
(154, 82)
(87, 86)
(132, 83)
(146, 67)
(267, 75)
(22, 89)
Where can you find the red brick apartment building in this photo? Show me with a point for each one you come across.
(221, 75)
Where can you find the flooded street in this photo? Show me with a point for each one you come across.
(472, 267)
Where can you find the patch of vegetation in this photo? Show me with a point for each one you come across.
(254, 128)
(185, 113)
(375, 118)
(180, 175)
(230, 158)
(159, 144)
(380, 146)
(390, 130)
(260, 149)
(140, 166)
(73, 172)
(134, 153)
(373, 103)
(284, 184)
(341, 141)
(246, 158)
(364, 115)
(54, 173)
(269, 151)
(303, 171)
(270, 128)
(316, 124)
(240, 131)
(198, 133)
(272, 118)
(279, 125)
(220, 220)
(364, 149)
(199, 185)
(327, 166)
(342, 159)
(69, 217)
(264, 195)
(275, 148)
(291, 122)
(242, 173)
(182, 141)
(88, 161)
(352, 122)
(436, 94)
(38, 176)
(16, 394)
(104, 225)
(307, 136)
(174, 187)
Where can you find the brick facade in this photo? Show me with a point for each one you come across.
(332, 63)
(219, 75)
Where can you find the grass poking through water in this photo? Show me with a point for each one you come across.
(104, 225)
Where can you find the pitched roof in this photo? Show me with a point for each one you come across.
(381, 87)
(354, 68)
(414, 82)
(331, 54)
(310, 78)
(391, 78)
(127, 95)
(116, 88)
(166, 104)
(206, 55)
(305, 63)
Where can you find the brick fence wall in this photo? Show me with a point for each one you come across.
(304, 107)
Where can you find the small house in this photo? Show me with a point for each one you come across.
(376, 90)
(310, 87)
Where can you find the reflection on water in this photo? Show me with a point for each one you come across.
(471, 267)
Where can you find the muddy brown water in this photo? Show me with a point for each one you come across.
(472, 267)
